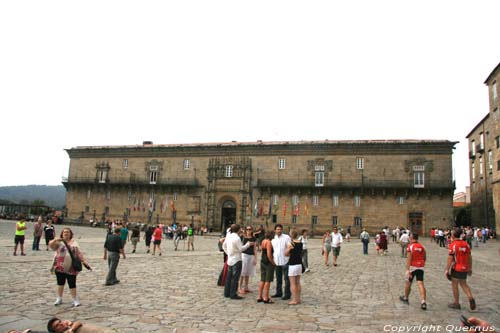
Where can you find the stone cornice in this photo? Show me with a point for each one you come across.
(362, 147)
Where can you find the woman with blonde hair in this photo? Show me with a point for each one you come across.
(62, 265)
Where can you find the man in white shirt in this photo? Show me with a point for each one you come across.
(280, 243)
(336, 242)
(404, 240)
(233, 248)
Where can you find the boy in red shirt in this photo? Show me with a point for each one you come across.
(415, 268)
(460, 262)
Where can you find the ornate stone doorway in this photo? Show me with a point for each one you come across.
(228, 214)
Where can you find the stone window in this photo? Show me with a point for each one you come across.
(315, 200)
(294, 219)
(281, 164)
(87, 209)
(357, 200)
(495, 113)
(314, 220)
(497, 141)
(125, 163)
(473, 147)
(129, 195)
(418, 179)
(358, 221)
(186, 164)
(89, 192)
(401, 200)
(335, 220)
(108, 195)
(494, 92)
(319, 178)
(360, 163)
(275, 218)
(480, 166)
(275, 199)
(153, 174)
(335, 200)
(229, 171)
(490, 161)
(498, 166)
(295, 200)
(473, 170)
(106, 210)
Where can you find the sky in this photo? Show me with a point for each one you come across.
(83, 73)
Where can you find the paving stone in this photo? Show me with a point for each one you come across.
(177, 292)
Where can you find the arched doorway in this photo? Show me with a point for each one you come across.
(228, 214)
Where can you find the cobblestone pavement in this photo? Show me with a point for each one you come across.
(177, 292)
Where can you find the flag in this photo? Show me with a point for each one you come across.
(172, 205)
(256, 208)
(296, 210)
(284, 209)
(261, 209)
(270, 207)
(306, 209)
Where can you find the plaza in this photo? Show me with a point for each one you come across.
(178, 291)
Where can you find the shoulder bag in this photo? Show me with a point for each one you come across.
(75, 262)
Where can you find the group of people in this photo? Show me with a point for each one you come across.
(282, 255)
(39, 230)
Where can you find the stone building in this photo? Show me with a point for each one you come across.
(484, 160)
(306, 184)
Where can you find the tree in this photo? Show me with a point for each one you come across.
(38, 202)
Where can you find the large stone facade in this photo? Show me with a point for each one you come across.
(305, 185)
(484, 160)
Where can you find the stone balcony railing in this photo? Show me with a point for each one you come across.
(189, 182)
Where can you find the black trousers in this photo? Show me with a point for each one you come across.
(282, 273)
(232, 280)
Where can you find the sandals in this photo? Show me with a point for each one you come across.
(267, 301)
(260, 300)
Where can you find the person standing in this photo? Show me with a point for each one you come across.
(113, 247)
(404, 241)
(37, 234)
(62, 265)
(249, 261)
(233, 248)
(304, 238)
(327, 246)
(190, 237)
(124, 233)
(383, 243)
(19, 238)
(415, 269)
(50, 232)
(460, 264)
(365, 239)
(294, 251)
(157, 239)
(280, 244)
(148, 236)
(266, 268)
(336, 243)
(135, 237)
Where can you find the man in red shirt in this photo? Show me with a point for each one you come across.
(157, 239)
(415, 268)
(460, 263)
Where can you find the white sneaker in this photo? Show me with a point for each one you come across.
(76, 303)
(58, 301)
(307, 270)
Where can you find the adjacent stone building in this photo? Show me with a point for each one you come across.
(484, 160)
(307, 184)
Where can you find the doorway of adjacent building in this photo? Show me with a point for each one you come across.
(415, 222)
(228, 214)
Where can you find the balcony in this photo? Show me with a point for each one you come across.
(352, 184)
(472, 155)
(479, 148)
(131, 181)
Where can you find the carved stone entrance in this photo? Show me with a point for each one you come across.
(228, 214)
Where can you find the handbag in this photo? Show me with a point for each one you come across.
(75, 262)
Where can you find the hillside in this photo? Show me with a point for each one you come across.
(53, 196)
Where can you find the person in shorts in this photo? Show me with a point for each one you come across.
(135, 237)
(415, 269)
(19, 238)
(460, 264)
(157, 234)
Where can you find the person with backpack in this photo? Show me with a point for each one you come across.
(460, 264)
